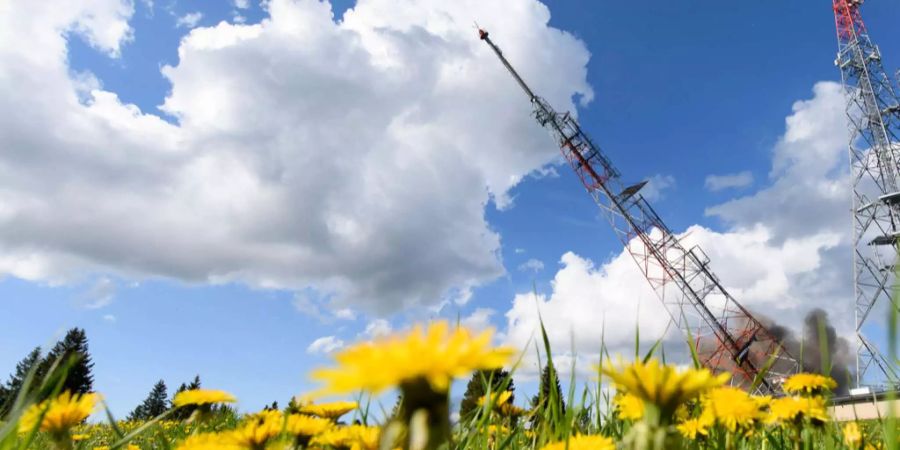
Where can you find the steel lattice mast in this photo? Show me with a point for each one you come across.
(874, 120)
(728, 337)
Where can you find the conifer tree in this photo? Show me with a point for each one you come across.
(13, 386)
(498, 379)
(154, 405)
(293, 406)
(549, 399)
(185, 411)
(74, 345)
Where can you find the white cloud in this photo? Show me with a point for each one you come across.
(345, 314)
(320, 308)
(717, 183)
(307, 153)
(109, 318)
(479, 320)
(586, 302)
(534, 265)
(241, 4)
(189, 20)
(519, 251)
(325, 345)
(101, 294)
(786, 252)
(656, 187)
(377, 328)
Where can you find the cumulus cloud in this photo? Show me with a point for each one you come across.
(785, 251)
(189, 20)
(533, 265)
(307, 153)
(715, 183)
(325, 345)
(479, 320)
(809, 189)
(586, 302)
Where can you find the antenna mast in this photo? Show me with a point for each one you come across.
(873, 111)
(728, 337)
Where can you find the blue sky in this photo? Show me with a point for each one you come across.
(680, 92)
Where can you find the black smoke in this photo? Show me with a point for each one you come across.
(819, 347)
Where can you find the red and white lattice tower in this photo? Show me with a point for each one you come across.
(874, 119)
(728, 337)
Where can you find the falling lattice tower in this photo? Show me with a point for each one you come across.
(874, 120)
(728, 337)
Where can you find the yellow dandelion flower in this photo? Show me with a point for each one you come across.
(331, 410)
(101, 447)
(852, 434)
(202, 397)
(509, 410)
(63, 412)
(693, 428)
(79, 437)
(583, 442)
(662, 385)
(257, 430)
(731, 407)
(307, 426)
(809, 383)
(354, 437)
(629, 406)
(437, 354)
(208, 441)
(683, 412)
(497, 399)
(791, 410)
(132, 447)
(762, 401)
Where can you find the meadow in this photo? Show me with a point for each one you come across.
(654, 405)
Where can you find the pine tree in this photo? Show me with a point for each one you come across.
(74, 345)
(13, 386)
(154, 405)
(185, 411)
(498, 378)
(550, 397)
(272, 407)
(4, 397)
(194, 384)
(293, 406)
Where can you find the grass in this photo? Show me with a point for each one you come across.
(589, 410)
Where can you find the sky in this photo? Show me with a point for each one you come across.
(237, 189)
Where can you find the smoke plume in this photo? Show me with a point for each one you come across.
(819, 348)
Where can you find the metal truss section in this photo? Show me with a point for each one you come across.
(728, 337)
(874, 121)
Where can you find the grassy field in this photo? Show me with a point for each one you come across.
(653, 406)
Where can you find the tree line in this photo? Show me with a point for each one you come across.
(80, 379)
(73, 350)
